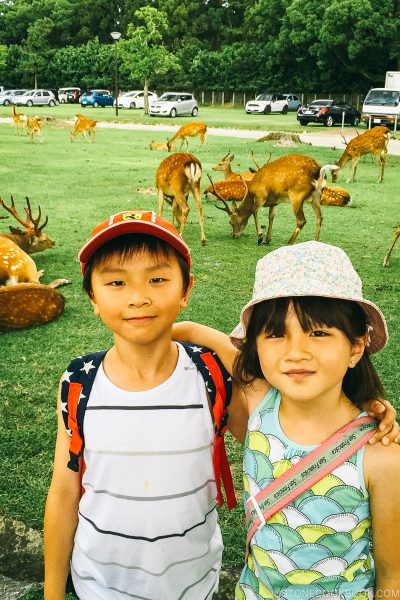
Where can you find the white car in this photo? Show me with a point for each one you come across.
(266, 104)
(135, 99)
(35, 98)
(171, 104)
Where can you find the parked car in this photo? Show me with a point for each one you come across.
(135, 99)
(97, 98)
(35, 98)
(293, 101)
(172, 104)
(266, 104)
(5, 97)
(69, 94)
(328, 112)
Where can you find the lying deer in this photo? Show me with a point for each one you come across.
(394, 240)
(294, 177)
(34, 127)
(83, 126)
(176, 176)
(335, 196)
(19, 120)
(374, 141)
(187, 131)
(225, 165)
(231, 190)
(31, 239)
(164, 146)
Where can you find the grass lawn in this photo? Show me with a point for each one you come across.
(77, 186)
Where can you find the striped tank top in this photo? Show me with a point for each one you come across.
(147, 525)
(318, 547)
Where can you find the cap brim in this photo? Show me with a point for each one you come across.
(132, 226)
(378, 334)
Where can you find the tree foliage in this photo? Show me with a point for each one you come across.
(240, 45)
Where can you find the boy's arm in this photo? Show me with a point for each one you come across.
(382, 466)
(61, 517)
(384, 412)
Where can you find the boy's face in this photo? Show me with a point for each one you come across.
(139, 298)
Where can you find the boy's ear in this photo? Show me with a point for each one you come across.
(358, 350)
(185, 297)
(95, 307)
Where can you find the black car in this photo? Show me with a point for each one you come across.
(328, 112)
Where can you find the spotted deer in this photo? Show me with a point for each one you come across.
(374, 141)
(293, 178)
(225, 165)
(31, 239)
(187, 131)
(34, 128)
(335, 196)
(164, 146)
(176, 176)
(396, 236)
(84, 126)
(19, 120)
(231, 190)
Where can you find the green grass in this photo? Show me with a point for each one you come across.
(77, 186)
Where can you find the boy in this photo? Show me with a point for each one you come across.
(146, 526)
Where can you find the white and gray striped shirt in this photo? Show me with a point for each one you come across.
(147, 521)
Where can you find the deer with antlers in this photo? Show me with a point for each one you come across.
(374, 141)
(84, 126)
(187, 131)
(294, 178)
(225, 165)
(19, 120)
(32, 238)
(392, 245)
(176, 176)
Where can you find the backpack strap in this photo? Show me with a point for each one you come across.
(76, 386)
(304, 474)
(219, 387)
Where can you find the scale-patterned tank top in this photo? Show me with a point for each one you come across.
(318, 547)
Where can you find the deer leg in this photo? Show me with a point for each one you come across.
(182, 210)
(394, 240)
(297, 205)
(352, 176)
(271, 216)
(382, 166)
(195, 189)
(315, 200)
(160, 201)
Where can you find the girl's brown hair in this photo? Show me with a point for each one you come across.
(360, 383)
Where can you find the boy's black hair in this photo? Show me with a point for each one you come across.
(360, 383)
(126, 246)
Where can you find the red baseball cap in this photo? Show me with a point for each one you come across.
(133, 221)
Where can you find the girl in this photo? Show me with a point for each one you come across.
(303, 373)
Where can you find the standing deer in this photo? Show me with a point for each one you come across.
(31, 239)
(34, 127)
(225, 166)
(83, 125)
(394, 240)
(187, 131)
(374, 141)
(294, 178)
(176, 176)
(19, 120)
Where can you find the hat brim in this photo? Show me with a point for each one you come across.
(131, 226)
(378, 334)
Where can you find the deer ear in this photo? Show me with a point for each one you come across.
(231, 158)
(15, 229)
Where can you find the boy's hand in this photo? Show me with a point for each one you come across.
(389, 430)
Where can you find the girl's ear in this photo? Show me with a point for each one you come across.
(357, 350)
(185, 297)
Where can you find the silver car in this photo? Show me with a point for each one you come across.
(172, 104)
(35, 98)
(5, 97)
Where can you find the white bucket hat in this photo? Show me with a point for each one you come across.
(311, 269)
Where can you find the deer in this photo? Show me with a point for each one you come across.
(163, 146)
(19, 120)
(335, 196)
(225, 166)
(396, 236)
(83, 126)
(232, 190)
(31, 239)
(187, 131)
(374, 141)
(34, 127)
(294, 177)
(176, 176)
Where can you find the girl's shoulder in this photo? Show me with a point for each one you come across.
(255, 392)
(381, 464)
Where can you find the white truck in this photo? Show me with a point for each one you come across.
(382, 105)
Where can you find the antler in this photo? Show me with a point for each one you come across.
(227, 208)
(226, 156)
(35, 222)
(254, 160)
(13, 211)
(343, 138)
(246, 189)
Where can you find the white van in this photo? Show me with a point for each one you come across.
(382, 105)
(63, 93)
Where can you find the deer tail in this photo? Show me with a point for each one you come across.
(193, 172)
(320, 183)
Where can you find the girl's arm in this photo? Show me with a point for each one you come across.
(384, 412)
(61, 517)
(382, 469)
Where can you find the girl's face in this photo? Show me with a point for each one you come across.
(307, 365)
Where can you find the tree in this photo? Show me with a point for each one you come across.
(144, 56)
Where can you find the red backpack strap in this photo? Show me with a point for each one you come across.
(219, 387)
